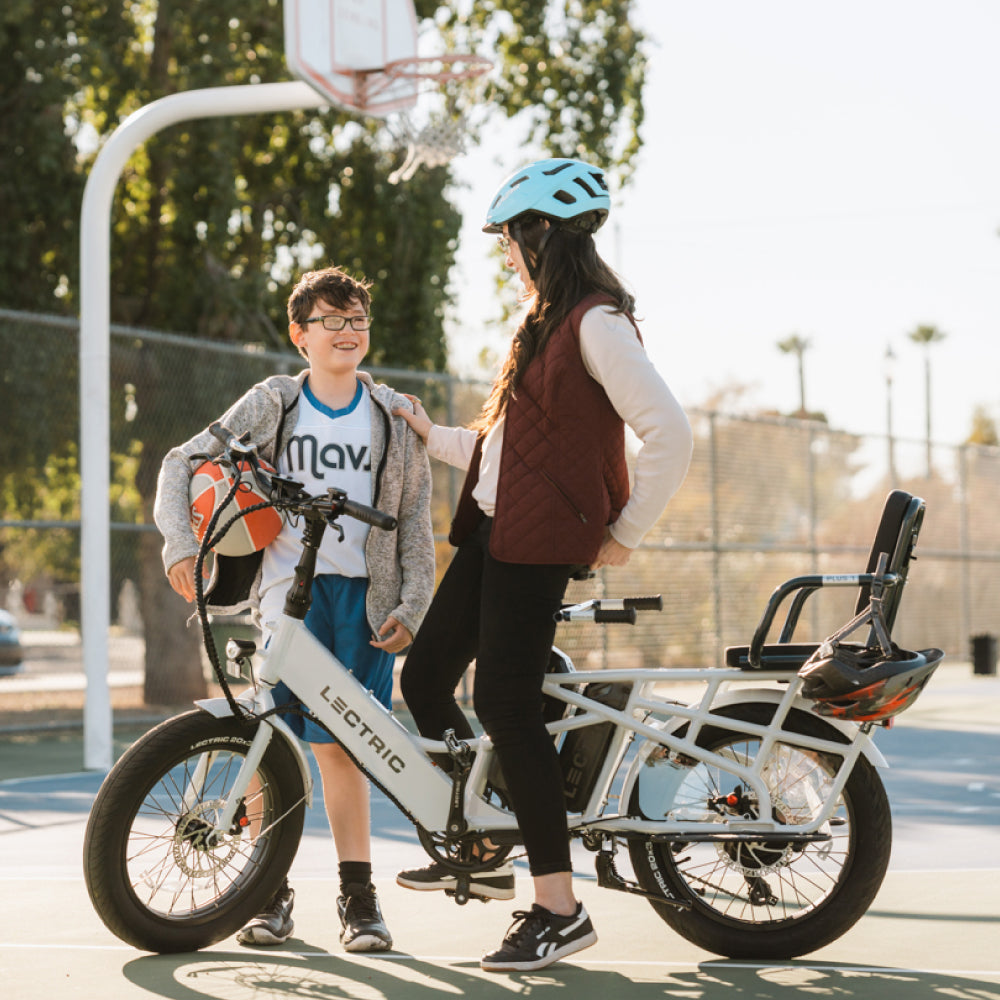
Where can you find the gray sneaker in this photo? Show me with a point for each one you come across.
(274, 924)
(495, 884)
(363, 926)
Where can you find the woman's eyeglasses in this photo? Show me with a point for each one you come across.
(336, 323)
(504, 243)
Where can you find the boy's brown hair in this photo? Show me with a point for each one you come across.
(332, 285)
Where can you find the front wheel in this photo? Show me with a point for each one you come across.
(772, 899)
(159, 875)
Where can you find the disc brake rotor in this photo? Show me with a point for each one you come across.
(198, 849)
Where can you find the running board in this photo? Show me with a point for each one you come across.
(730, 838)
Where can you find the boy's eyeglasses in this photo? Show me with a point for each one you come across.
(504, 243)
(336, 323)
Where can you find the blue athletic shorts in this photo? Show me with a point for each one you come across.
(337, 618)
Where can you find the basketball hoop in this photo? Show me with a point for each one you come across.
(362, 56)
(430, 71)
(444, 135)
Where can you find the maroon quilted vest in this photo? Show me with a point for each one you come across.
(563, 476)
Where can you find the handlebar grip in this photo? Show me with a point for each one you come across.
(227, 438)
(369, 515)
(220, 433)
(626, 616)
(644, 603)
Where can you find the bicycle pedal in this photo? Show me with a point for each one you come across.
(453, 894)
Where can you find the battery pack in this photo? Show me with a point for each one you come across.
(583, 750)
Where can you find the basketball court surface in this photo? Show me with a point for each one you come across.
(931, 932)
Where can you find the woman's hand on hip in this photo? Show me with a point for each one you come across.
(611, 553)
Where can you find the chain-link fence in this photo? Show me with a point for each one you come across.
(766, 499)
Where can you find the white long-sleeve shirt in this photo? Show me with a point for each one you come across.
(614, 357)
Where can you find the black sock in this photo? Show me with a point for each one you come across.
(354, 873)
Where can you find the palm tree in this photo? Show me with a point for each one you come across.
(925, 336)
(797, 345)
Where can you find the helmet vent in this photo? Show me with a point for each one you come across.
(558, 169)
(565, 197)
(586, 187)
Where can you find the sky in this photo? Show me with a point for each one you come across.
(825, 170)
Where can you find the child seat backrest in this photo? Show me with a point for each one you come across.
(902, 516)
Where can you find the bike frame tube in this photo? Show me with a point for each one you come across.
(661, 734)
(398, 761)
(385, 749)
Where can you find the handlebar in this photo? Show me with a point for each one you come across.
(607, 610)
(624, 616)
(288, 494)
(376, 518)
(230, 441)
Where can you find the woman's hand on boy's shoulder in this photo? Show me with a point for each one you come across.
(417, 417)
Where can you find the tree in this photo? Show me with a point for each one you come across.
(797, 345)
(925, 336)
(984, 428)
(213, 220)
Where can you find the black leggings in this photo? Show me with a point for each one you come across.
(501, 615)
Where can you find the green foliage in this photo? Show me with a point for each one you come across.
(40, 185)
(214, 219)
(925, 335)
(573, 69)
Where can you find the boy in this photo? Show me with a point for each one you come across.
(329, 426)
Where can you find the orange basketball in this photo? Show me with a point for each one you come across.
(209, 486)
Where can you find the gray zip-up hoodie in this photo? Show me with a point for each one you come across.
(400, 563)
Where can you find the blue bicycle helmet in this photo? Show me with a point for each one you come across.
(561, 190)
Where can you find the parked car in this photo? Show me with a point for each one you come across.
(11, 650)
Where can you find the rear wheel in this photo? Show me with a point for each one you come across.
(771, 899)
(158, 874)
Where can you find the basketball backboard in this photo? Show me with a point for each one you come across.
(341, 47)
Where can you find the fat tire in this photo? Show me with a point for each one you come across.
(115, 811)
(861, 877)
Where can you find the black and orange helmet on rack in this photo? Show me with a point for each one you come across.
(866, 684)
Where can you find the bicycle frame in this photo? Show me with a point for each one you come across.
(398, 761)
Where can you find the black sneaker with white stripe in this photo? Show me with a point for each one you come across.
(495, 884)
(538, 938)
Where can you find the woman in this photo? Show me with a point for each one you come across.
(546, 494)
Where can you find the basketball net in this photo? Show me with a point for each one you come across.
(435, 144)
(462, 82)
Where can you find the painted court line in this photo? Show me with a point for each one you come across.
(447, 959)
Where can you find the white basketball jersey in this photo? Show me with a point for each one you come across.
(328, 448)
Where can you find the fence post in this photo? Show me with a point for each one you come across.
(713, 480)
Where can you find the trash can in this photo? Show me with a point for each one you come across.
(984, 655)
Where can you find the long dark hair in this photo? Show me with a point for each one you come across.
(565, 268)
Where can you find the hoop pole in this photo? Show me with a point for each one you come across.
(95, 355)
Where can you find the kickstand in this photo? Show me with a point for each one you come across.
(608, 878)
